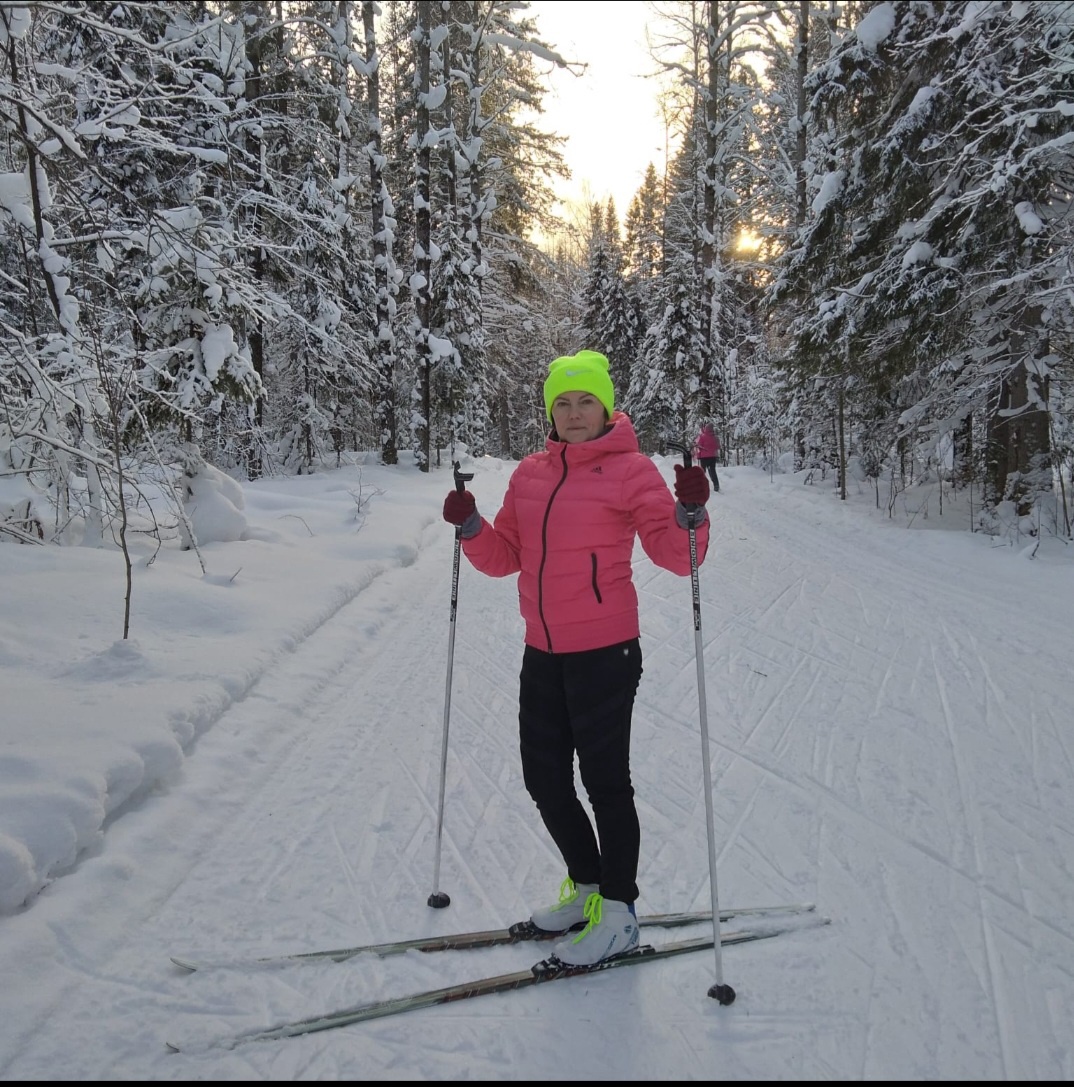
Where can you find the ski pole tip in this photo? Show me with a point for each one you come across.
(438, 900)
(723, 993)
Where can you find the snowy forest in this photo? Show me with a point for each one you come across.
(246, 238)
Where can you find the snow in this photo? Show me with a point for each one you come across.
(217, 345)
(15, 22)
(440, 348)
(1028, 219)
(15, 197)
(256, 770)
(976, 10)
(919, 253)
(876, 26)
(214, 506)
(923, 96)
(830, 187)
(434, 99)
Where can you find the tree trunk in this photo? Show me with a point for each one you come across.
(1019, 441)
(962, 452)
(383, 265)
(709, 251)
(842, 446)
(802, 58)
(423, 236)
(255, 17)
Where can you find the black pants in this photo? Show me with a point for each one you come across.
(583, 702)
(709, 464)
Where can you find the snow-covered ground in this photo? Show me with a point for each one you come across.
(256, 770)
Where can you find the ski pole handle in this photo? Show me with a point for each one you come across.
(461, 478)
(679, 447)
(687, 461)
(691, 523)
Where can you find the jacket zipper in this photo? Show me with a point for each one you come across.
(596, 587)
(544, 550)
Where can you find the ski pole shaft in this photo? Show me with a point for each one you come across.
(720, 991)
(438, 899)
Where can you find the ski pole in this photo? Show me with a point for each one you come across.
(722, 992)
(438, 899)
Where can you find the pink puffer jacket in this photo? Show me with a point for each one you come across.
(707, 444)
(567, 527)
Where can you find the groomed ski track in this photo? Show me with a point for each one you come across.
(306, 810)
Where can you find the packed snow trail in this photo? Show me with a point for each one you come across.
(887, 745)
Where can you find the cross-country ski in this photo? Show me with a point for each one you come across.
(546, 970)
(520, 932)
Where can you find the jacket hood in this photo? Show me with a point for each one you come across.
(619, 437)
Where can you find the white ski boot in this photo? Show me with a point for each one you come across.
(612, 930)
(569, 911)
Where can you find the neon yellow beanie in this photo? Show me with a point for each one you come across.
(586, 372)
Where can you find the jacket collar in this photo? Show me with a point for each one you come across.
(618, 437)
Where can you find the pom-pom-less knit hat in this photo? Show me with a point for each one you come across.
(586, 372)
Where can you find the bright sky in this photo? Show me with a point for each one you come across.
(609, 113)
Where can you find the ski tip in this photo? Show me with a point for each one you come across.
(186, 964)
(171, 1047)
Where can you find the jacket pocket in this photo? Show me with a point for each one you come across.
(593, 579)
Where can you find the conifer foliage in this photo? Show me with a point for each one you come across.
(202, 247)
(270, 235)
(933, 256)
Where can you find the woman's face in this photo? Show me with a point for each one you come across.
(578, 417)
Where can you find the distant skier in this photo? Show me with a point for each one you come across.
(707, 450)
(567, 527)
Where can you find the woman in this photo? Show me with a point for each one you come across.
(707, 449)
(567, 528)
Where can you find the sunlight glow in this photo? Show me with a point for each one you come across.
(607, 110)
(747, 241)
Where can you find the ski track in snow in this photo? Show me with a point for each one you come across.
(826, 788)
(819, 663)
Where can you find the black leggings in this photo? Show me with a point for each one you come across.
(583, 702)
(709, 464)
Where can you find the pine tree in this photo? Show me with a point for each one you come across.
(643, 247)
(610, 322)
(922, 247)
(667, 370)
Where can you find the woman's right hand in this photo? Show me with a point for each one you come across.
(460, 510)
(458, 506)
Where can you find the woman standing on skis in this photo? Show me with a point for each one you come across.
(707, 450)
(567, 527)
